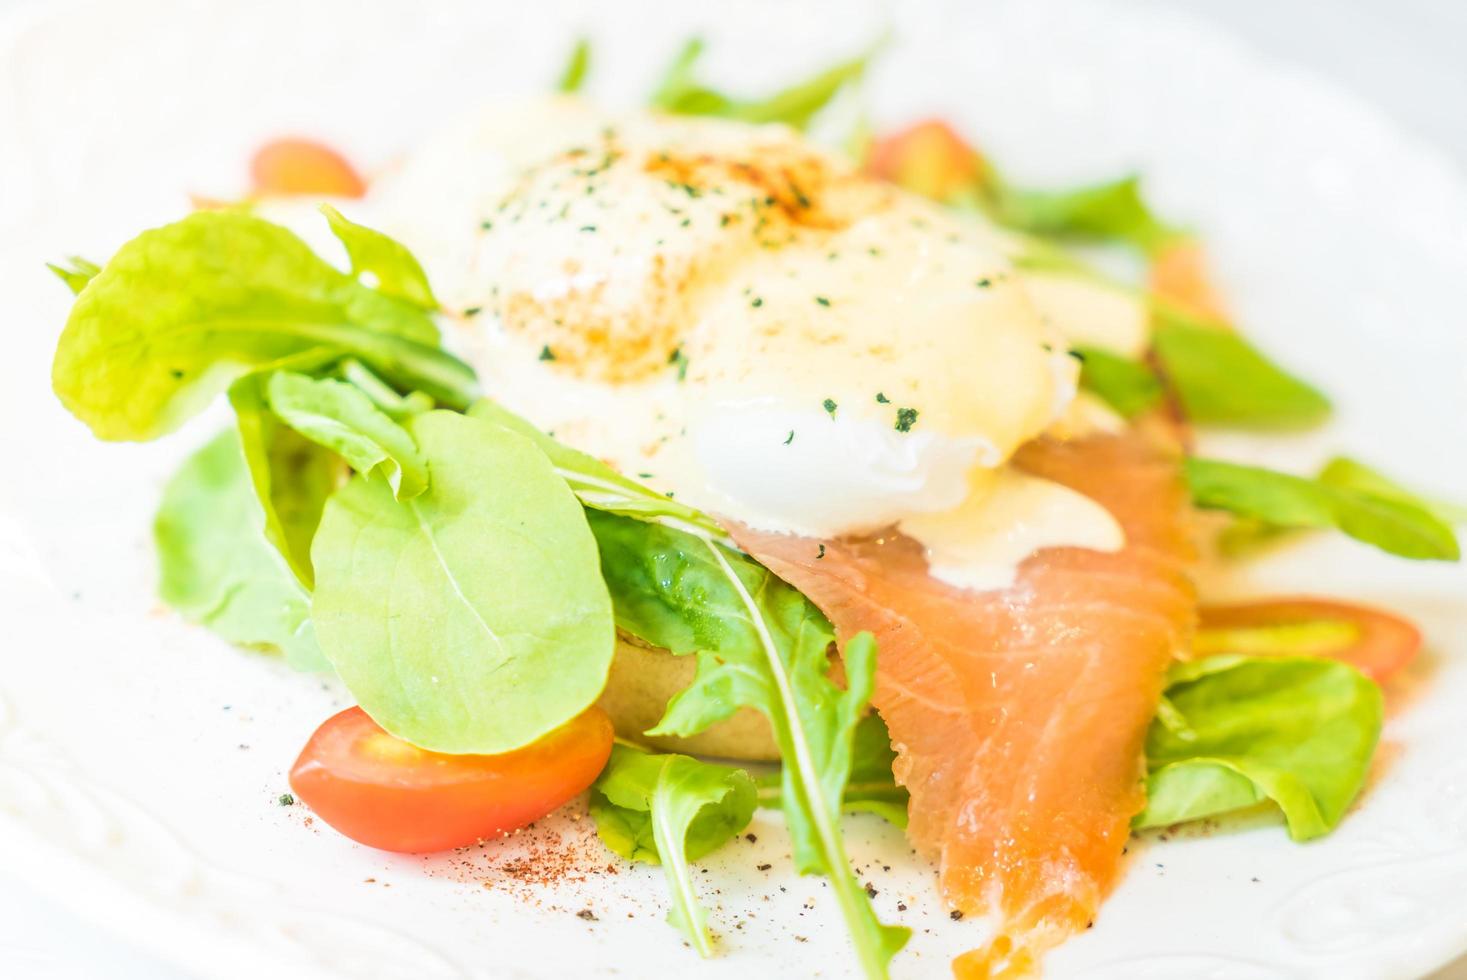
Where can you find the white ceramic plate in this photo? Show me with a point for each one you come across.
(140, 760)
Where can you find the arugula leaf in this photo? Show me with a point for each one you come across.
(669, 810)
(215, 567)
(1238, 730)
(470, 618)
(1110, 210)
(76, 272)
(1127, 386)
(759, 643)
(599, 486)
(182, 310)
(1221, 379)
(1291, 501)
(395, 271)
(872, 788)
(795, 106)
(573, 76)
(340, 417)
(1351, 474)
(773, 657)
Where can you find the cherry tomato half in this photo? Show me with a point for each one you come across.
(928, 158)
(1179, 276)
(301, 166)
(383, 792)
(1376, 642)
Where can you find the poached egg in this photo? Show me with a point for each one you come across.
(749, 324)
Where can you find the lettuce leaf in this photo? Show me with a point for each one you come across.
(392, 269)
(340, 417)
(291, 474)
(1238, 730)
(669, 810)
(1286, 501)
(216, 568)
(471, 618)
(181, 311)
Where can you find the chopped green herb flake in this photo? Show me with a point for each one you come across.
(829, 406)
(881, 399)
(822, 300)
(286, 799)
(984, 283)
(821, 553)
(473, 311)
(588, 228)
(486, 225)
(681, 360)
(906, 418)
(789, 438)
(546, 354)
(756, 302)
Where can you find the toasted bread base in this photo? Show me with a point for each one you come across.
(643, 679)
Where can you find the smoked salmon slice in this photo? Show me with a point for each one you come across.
(1019, 715)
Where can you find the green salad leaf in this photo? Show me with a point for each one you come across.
(1221, 379)
(1351, 474)
(342, 418)
(573, 76)
(1113, 210)
(472, 617)
(669, 810)
(394, 270)
(1129, 387)
(872, 788)
(1287, 501)
(779, 666)
(382, 394)
(291, 474)
(600, 487)
(1238, 730)
(760, 643)
(182, 310)
(215, 567)
(76, 272)
(680, 92)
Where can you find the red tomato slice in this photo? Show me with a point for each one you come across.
(1376, 642)
(383, 792)
(301, 166)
